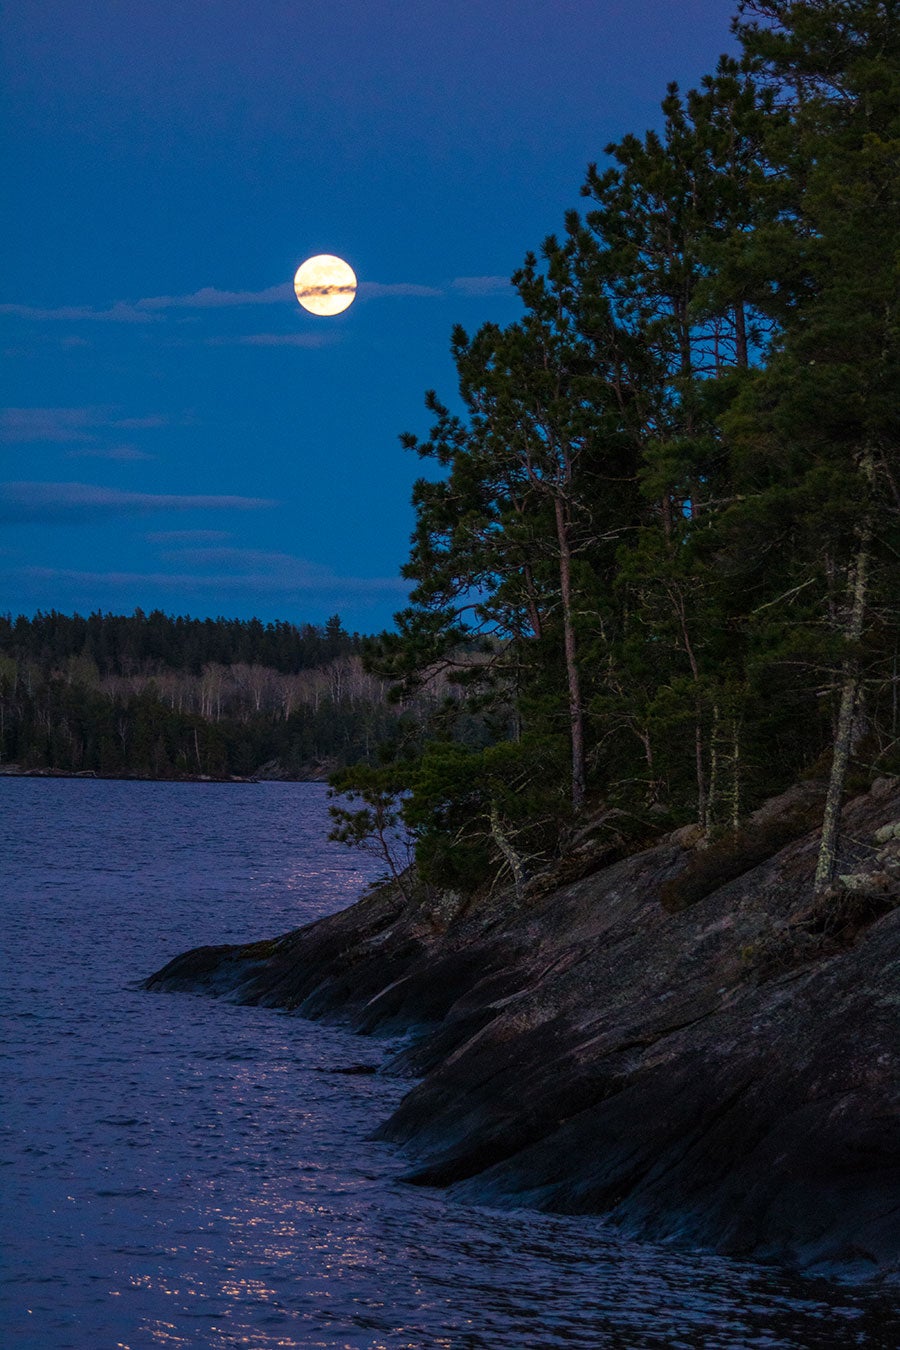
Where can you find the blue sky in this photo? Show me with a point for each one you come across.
(175, 431)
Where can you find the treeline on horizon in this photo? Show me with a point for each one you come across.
(139, 643)
(163, 696)
(670, 501)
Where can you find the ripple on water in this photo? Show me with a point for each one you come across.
(179, 1172)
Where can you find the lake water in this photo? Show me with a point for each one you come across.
(181, 1172)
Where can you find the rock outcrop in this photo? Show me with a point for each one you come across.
(724, 1076)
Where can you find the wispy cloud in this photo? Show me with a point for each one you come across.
(264, 569)
(20, 425)
(122, 453)
(120, 312)
(209, 297)
(187, 536)
(300, 578)
(64, 503)
(154, 307)
(273, 340)
(141, 423)
(237, 557)
(151, 309)
(374, 290)
(481, 285)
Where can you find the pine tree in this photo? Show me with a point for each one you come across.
(830, 385)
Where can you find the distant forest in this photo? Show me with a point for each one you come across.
(152, 695)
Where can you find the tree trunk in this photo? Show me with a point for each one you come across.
(534, 613)
(702, 800)
(702, 805)
(741, 353)
(712, 806)
(843, 737)
(576, 712)
(736, 776)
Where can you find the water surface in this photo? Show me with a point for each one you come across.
(181, 1172)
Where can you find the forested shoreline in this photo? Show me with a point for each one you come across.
(646, 958)
(670, 501)
(156, 696)
(656, 560)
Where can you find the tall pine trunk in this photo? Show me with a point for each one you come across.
(576, 711)
(741, 349)
(847, 710)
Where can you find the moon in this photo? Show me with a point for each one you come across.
(325, 284)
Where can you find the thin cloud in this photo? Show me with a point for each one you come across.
(268, 570)
(141, 423)
(153, 308)
(212, 298)
(129, 453)
(186, 536)
(64, 503)
(238, 557)
(374, 290)
(209, 297)
(19, 425)
(273, 340)
(481, 285)
(150, 309)
(120, 312)
(302, 578)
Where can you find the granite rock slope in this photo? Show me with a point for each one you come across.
(725, 1076)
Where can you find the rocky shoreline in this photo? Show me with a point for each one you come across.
(722, 1076)
(261, 776)
(14, 771)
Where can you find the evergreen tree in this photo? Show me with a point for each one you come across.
(670, 502)
(829, 387)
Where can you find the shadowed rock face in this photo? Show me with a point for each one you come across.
(701, 1077)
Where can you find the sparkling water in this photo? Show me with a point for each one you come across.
(182, 1172)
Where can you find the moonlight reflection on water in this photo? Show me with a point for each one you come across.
(181, 1172)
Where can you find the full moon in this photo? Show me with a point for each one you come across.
(325, 284)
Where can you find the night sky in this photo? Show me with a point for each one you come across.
(176, 432)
